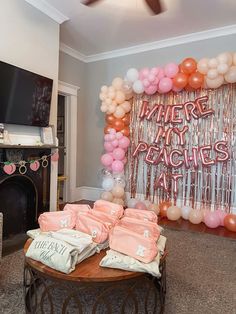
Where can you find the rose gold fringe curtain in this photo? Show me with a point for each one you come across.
(211, 187)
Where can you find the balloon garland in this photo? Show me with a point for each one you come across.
(116, 103)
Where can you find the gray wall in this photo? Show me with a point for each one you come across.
(101, 73)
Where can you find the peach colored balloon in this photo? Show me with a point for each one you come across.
(118, 191)
(195, 216)
(234, 58)
(154, 208)
(120, 97)
(107, 196)
(213, 63)
(104, 89)
(173, 213)
(119, 112)
(126, 106)
(202, 65)
(230, 76)
(163, 206)
(215, 83)
(118, 201)
(117, 83)
(225, 57)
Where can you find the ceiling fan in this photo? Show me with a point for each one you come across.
(154, 5)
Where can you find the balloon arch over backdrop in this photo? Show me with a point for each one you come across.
(170, 140)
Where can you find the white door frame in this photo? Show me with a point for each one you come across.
(71, 101)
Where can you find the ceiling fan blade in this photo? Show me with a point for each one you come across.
(155, 6)
(89, 2)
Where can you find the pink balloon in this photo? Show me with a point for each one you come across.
(107, 137)
(171, 69)
(118, 153)
(140, 205)
(151, 77)
(119, 135)
(150, 90)
(106, 159)
(115, 143)
(221, 214)
(108, 147)
(161, 74)
(124, 160)
(146, 82)
(165, 84)
(211, 219)
(154, 71)
(156, 81)
(143, 73)
(117, 166)
(124, 142)
(112, 131)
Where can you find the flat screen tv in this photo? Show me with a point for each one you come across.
(25, 97)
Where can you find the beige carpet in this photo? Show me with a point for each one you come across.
(201, 276)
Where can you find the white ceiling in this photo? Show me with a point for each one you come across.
(115, 24)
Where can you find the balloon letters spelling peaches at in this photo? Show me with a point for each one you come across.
(168, 119)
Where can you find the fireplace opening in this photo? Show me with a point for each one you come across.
(23, 197)
(18, 196)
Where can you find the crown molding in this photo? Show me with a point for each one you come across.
(49, 10)
(73, 53)
(170, 42)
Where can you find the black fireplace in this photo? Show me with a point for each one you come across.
(24, 194)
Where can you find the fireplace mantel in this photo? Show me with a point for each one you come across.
(2, 146)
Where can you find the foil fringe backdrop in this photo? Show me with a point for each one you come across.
(206, 187)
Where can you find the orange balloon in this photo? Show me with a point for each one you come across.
(189, 66)
(118, 124)
(196, 80)
(230, 222)
(125, 131)
(189, 88)
(110, 118)
(180, 80)
(126, 119)
(163, 206)
(107, 127)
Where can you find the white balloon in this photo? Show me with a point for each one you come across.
(138, 87)
(132, 202)
(185, 210)
(107, 184)
(132, 75)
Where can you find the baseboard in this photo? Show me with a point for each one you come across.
(86, 193)
(93, 194)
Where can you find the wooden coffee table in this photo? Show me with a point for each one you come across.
(92, 289)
